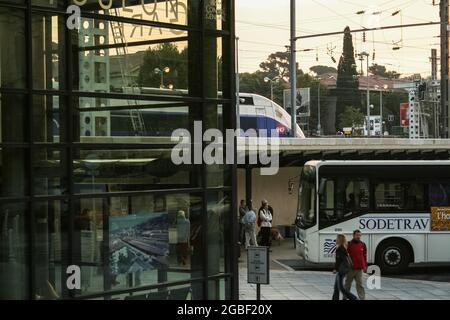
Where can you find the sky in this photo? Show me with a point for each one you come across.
(263, 27)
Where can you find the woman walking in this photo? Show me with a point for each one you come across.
(341, 268)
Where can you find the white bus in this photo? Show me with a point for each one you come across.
(401, 207)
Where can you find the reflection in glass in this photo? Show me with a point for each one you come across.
(12, 48)
(50, 249)
(13, 252)
(48, 119)
(128, 58)
(48, 51)
(12, 172)
(13, 116)
(219, 250)
(98, 171)
(49, 172)
(131, 118)
(127, 242)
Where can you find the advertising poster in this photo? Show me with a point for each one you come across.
(303, 101)
(440, 219)
(404, 120)
(139, 242)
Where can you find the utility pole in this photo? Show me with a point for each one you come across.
(319, 126)
(444, 17)
(368, 95)
(293, 72)
(238, 101)
(434, 99)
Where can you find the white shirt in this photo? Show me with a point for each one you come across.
(266, 218)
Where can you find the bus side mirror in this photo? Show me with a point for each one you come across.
(322, 185)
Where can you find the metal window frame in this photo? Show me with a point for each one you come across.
(69, 146)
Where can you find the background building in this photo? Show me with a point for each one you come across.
(86, 175)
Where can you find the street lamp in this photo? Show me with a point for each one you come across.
(384, 87)
(361, 57)
(272, 81)
(161, 72)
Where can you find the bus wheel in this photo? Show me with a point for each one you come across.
(393, 257)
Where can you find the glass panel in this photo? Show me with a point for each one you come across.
(439, 194)
(50, 3)
(49, 119)
(183, 292)
(13, 179)
(89, 244)
(128, 118)
(13, 252)
(213, 66)
(13, 118)
(216, 14)
(51, 250)
(219, 241)
(388, 196)
(127, 242)
(306, 204)
(48, 51)
(131, 58)
(13, 1)
(12, 48)
(97, 171)
(170, 11)
(49, 172)
(356, 196)
(156, 241)
(219, 289)
(399, 196)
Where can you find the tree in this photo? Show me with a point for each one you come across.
(254, 83)
(277, 65)
(165, 55)
(347, 84)
(381, 71)
(351, 118)
(321, 70)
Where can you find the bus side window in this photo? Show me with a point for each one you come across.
(439, 194)
(356, 196)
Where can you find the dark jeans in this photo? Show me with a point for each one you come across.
(241, 234)
(339, 287)
(265, 236)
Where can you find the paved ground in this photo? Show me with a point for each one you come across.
(305, 284)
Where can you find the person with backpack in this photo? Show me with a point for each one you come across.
(342, 266)
(357, 251)
(249, 226)
(265, 218)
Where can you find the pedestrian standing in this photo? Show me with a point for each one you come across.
(342, 266)
(266, 223)
(357, 251)
(249, 223)
(242, 211)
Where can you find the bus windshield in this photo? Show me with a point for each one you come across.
(306, 214)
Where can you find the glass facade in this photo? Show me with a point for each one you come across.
(86, 177)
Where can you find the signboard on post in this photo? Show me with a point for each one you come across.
(258, 265)
(303, 102)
